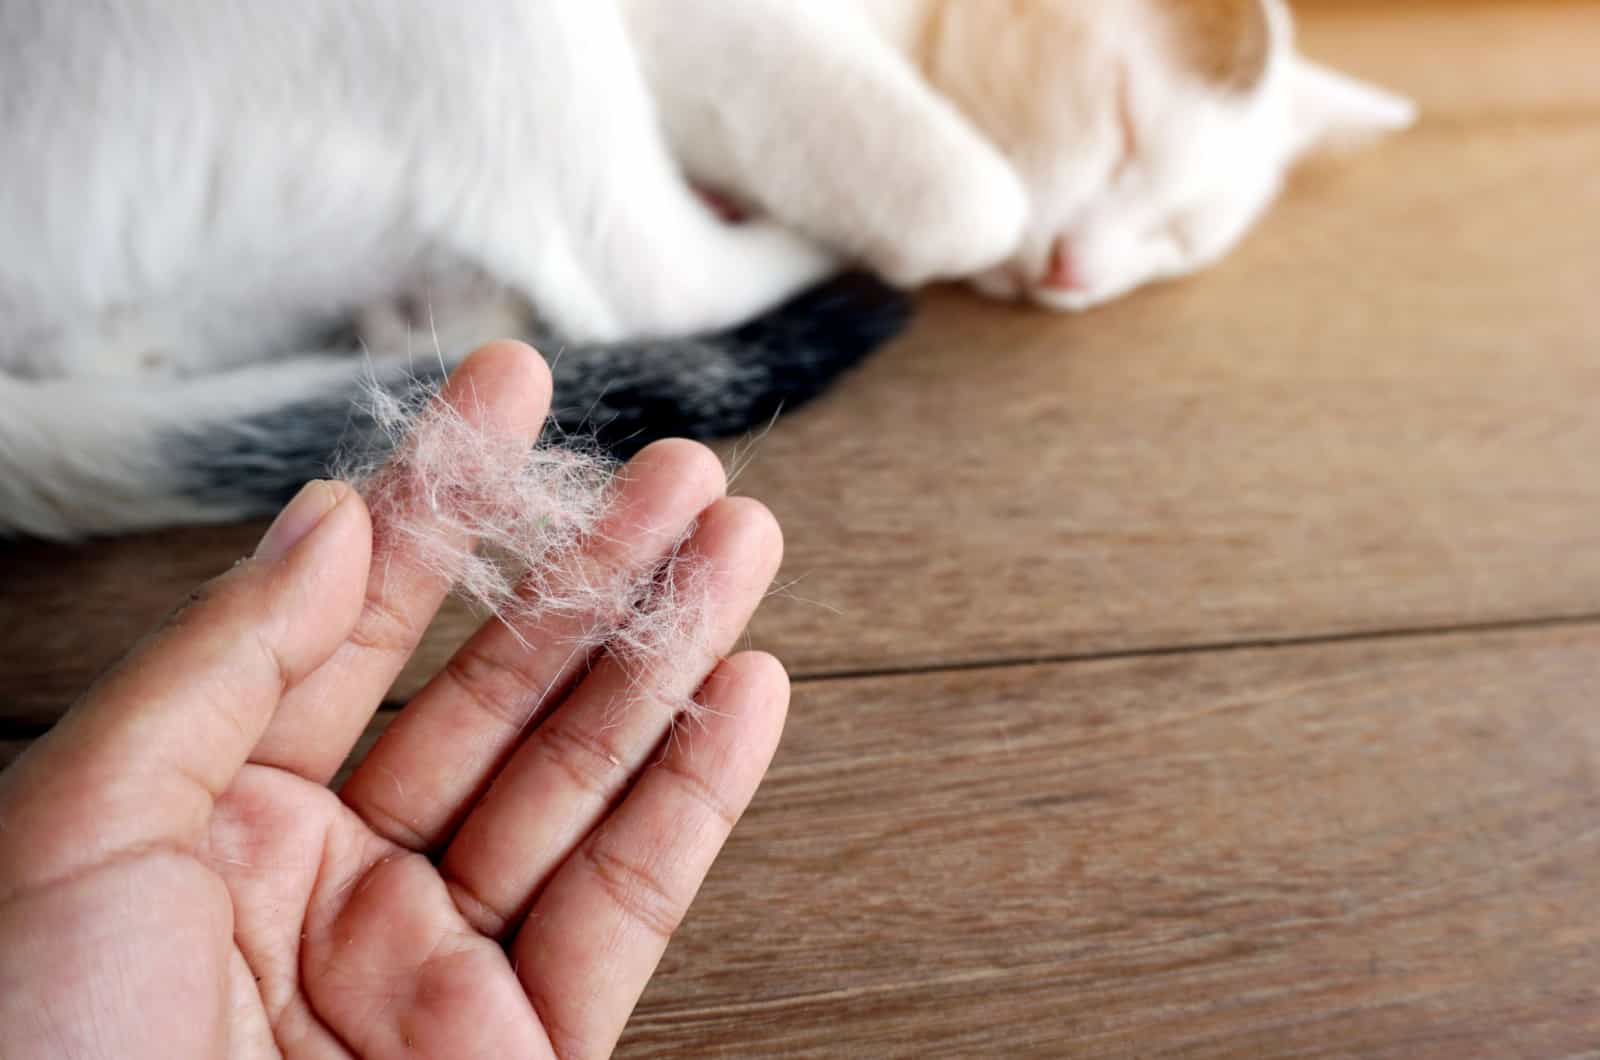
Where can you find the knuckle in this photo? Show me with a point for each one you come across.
(391, 826)
(506, 692)
(485, 917)
(594, 767)
(636, 891)
(696, 788)
(566, 1043)
(385, 629)
(272, 661)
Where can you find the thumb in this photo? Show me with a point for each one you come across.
(141, 758)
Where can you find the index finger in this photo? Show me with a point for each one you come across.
(504, 389)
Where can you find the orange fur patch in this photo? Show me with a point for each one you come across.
(998, 61)
(1226, 42)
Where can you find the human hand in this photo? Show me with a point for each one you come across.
(176, 879)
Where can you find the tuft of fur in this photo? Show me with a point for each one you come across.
(507, 526)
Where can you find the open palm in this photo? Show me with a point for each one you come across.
(499, 876)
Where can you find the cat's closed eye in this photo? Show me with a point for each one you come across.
(1170, 126)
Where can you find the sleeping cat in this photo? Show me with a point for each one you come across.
(204, 193)
(1068, 151)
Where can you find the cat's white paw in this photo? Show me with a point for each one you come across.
(767, 263)
(729, 275)
(972, 219)
(785, 253)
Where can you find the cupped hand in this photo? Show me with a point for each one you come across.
(499, 876)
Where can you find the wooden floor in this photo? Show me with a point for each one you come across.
(1216, 674)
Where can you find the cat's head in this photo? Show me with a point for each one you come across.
(1150, 134)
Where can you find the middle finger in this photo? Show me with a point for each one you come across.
(504, 391)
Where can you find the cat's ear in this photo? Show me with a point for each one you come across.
(1330, 110)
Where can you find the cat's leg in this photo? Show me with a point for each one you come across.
(592, 219)
(806, 112)
(658, 263)
(671, 266)
(659, 272)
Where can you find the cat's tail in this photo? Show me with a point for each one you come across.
(84, 457)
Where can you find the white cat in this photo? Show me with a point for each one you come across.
(202, 193)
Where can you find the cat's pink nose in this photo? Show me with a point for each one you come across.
(1061, 274)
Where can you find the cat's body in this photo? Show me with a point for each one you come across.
(201, 192)
(211, 161)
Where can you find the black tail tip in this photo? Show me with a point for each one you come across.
(826, 330)
(722, 385)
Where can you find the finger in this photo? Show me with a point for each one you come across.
(439, 754)
(565, 777)
(140, 760)
(595, 936)
(504, 388)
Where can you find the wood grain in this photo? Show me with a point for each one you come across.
(1464, 60)
(1371, 849)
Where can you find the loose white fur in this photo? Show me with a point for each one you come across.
(511, 528)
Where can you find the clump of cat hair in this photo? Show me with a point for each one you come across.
(509, 525)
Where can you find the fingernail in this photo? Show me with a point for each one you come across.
(301, 516)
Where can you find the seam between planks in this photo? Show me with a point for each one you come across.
(1400, 633)
(17, 730)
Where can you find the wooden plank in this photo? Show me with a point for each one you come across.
(1380, 848)
(1376, 415)
(1373, 849)
(1464, 60)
